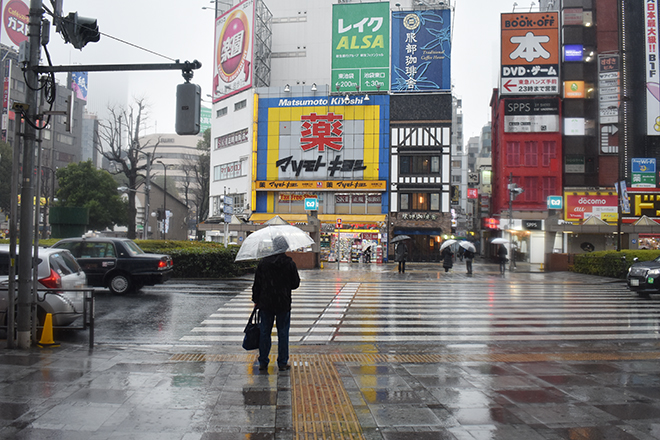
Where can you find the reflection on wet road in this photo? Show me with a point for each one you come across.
(479, 310)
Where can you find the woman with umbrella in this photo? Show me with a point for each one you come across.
(447, 258)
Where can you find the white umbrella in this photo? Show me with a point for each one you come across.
(262, 243)
(499, 241)
(447, 243)
(467, 246)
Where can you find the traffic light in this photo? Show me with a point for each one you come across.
(188, 109)
(78, 30)
(515, 190)
(338, 223)
(159, 214)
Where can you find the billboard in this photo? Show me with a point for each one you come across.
(323, 143)
(233, 64)
(652, 54)
(421, 51)
(361, 47)
(582, 205)
(530, 54)
(531, 115)
(15, 18)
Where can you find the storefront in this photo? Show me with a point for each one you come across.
(330, 149)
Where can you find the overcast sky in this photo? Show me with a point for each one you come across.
(179, 29)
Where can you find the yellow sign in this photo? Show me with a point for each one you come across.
(574, 89)
(321, 185)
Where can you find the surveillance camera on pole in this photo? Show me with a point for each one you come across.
(515, 190)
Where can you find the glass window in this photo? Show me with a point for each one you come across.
(435, 202)
(404, 164)
(513, 154)
(405, 204)
(222, 112)
(531, 154)
(240, 105)
(435, 164)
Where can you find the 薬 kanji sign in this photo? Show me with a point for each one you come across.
(530, 54)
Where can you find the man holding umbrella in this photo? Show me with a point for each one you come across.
(275, 278)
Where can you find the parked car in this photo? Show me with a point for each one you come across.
(117, 263)
(57, 270)
(644, 276)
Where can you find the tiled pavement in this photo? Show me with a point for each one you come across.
(522, 390)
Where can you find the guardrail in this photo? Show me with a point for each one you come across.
(86, 320)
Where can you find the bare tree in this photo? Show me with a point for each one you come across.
(196, 186)
(124, 159)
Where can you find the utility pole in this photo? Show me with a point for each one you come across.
(27, 189)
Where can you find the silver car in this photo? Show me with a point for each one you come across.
(57, 270)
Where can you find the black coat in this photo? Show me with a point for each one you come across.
(275, 278)
(447, 257)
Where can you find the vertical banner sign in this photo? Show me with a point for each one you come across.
(530, 54)
(609, 95)
(6, 97)
(652, 82)
(233, 64)
(421, 51)
(361, 47)
(78, 83)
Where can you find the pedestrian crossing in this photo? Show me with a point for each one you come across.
(412, 312)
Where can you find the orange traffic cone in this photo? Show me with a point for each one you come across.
(47, 333)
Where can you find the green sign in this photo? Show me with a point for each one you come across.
(204, 119)
(361, 47)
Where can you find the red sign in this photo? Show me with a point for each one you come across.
(15, 19)
(582, 205)
(322, 131)
(472, 193)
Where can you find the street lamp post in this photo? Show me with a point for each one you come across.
(164, 200)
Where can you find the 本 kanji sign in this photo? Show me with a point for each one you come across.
(530, 54)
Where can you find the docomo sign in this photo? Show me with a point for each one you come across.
(582, 205)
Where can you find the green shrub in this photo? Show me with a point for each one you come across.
(610, 263)
(192, 259)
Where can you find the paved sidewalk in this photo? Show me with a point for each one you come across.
(364, 391)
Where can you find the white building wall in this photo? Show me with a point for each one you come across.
(235, 120)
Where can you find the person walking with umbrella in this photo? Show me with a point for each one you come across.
(400, 255)
(447, 258)
(276, 276)
(468, 254)
(501, 254)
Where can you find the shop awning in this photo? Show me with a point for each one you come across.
(325, 218)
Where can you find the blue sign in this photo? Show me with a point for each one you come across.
(312, 204)
(573, 52)
(555, 202)
(421, 51)
(640, 165)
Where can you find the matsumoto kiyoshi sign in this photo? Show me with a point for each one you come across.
(582, 205)
(320, 139)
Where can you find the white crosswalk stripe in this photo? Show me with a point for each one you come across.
(486, 311)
